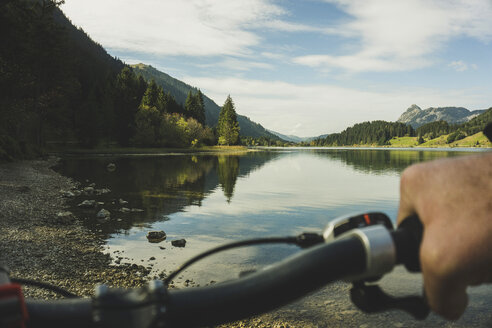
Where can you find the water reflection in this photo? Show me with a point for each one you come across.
(227, 172)
(160, 185)
(212, 199)
(384, 161)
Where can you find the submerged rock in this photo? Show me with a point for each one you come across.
(111, 167)
(156, 236)
(179, 243)
(103, 214)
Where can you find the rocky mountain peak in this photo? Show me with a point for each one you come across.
(416, 117)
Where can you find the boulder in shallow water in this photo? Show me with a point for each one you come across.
(156, 236)
(179, 243)
(103, 214)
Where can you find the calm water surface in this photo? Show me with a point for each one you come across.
(212, 199)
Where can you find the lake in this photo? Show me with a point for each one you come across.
(211, 199)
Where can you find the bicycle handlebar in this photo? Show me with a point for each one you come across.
(258, 292)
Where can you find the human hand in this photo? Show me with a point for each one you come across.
(453, 198)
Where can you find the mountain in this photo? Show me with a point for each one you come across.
(180, 91)
(415, 116)
(289, 137)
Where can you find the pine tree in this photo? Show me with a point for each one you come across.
(190, 104)
(228, 127)
(127, 99)
(154, 97)
(200, 108)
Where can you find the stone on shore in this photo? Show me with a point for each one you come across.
(68, 194)
(89, 190)
(65, 217)
(88, 204)
(156, 236)
(102, 191)
(179, 243)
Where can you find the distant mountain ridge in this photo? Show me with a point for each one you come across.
(289, 137)
(180, 91)
(415, 116)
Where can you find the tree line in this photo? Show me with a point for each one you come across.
(381, 132)
(366, 133)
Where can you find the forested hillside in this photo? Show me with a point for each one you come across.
(367, 133)
(180, 90)
(455, 131)
(59, 87)
(382, 133)
(56, 83)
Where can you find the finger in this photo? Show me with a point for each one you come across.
(406, 207)
(445, 282)
(446, 298)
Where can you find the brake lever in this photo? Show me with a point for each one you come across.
(372, 299)
(406, 241)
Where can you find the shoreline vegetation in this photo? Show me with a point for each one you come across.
(147, 151)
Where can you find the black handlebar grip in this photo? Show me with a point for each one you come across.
(408, 238)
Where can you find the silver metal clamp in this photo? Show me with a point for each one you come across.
(380, 251)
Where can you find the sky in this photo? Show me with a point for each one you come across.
(307, 67)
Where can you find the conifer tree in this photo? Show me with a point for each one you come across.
(154, 97)
(190, 104)
(228, 127)
(200, 108)
(195, 107)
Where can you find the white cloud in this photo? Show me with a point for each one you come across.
(196, 28)
(238, 64)
(461, 66)
(403, 35)
(309, 110)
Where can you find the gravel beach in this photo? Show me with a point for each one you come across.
(38, 243)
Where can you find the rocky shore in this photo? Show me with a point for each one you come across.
(40, 244)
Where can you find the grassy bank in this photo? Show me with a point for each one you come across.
(138, 150)
(476, 140)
